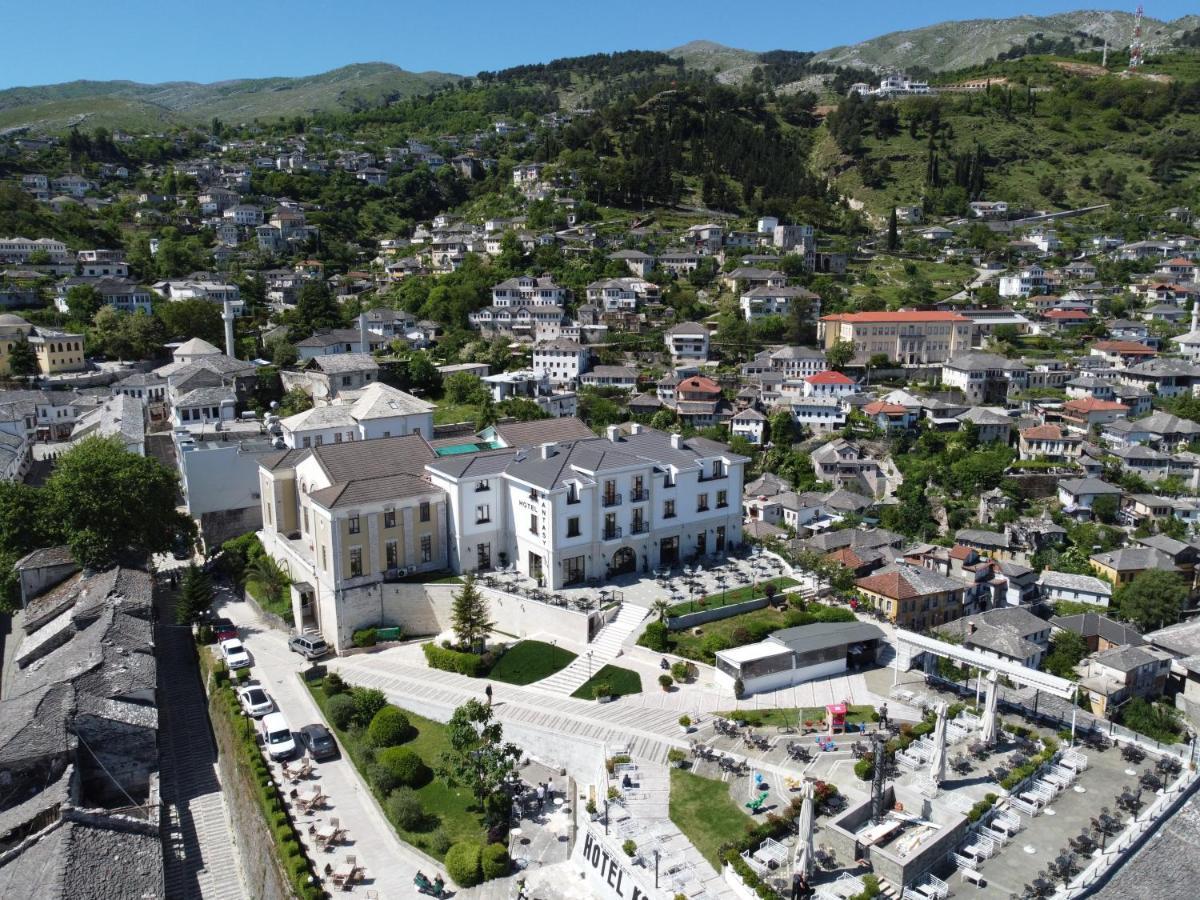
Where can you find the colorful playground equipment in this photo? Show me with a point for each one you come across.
(757, 803)
(836, 716)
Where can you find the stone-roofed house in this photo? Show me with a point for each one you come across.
(912, 596)
(1126, 563)
(327, 377)
(1098, 631)
(1112, 677)
(1012, 633)
(78, 744)
(1057, 586)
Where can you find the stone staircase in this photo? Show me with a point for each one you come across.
(605, 648)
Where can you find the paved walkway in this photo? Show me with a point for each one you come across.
(200, 855)
(390, 863)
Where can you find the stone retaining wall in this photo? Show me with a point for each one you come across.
(691, 620)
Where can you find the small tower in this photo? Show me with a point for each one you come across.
(227, 316)
(1135, 47)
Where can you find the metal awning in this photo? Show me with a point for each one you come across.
(1041, 681)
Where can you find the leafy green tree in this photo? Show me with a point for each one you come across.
(463, 388)
(81, 499)
(422, 372)
(1153, 599)
(186, 319)
(83, 302)
(839, 355)
(520, 408)
(1155, 720)
(22, 360)
(1066, 650)
(663, 420)
(22, 528)
(1105, 508)
(893, 235)
(470, 618)
(269, 578)
(478, 757)
(294, 401)
(282, 353)
(195, 595)
(316, 309)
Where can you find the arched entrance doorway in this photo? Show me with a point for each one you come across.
(623, 562)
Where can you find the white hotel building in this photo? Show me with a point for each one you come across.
(568, 512)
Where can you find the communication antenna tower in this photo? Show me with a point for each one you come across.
(1135, 48)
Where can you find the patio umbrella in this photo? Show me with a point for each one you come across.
(804, 839)
(937, 763)
(988, 734)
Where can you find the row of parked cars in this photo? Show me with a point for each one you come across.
(273, 728)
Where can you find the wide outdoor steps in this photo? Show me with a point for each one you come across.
(603, 650)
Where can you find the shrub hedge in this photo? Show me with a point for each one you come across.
(470, 664)
(341, 711)
(364, 637)
(390, 728)
(464, 864)
(496, 863)
(405, 766)
(404, 808)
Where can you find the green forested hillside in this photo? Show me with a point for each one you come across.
(133, 106)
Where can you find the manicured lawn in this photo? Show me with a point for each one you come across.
(703, 810)
(736, 595)
(691, 645)
(768, 718)
(452, 806)
(530, 661)
(622, 682)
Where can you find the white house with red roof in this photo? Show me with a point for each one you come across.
(829, 384)
(1122, 353)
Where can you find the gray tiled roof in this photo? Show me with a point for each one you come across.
(374, 458)
(543, 431)
(1093, 624)
(1075, 582)
(340, 363)
(372, 490)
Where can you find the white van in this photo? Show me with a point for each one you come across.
(276, 735)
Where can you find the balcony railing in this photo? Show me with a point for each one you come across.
(613, 533)
(611, 499)
(712, 476)
(637, 496)
(639, 527)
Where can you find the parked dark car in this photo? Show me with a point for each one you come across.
(224, 629)
(319, 741)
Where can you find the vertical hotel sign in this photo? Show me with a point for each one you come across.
(610, 874)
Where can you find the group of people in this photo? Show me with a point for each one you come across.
(545, 794)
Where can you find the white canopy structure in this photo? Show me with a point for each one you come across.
(937, 762)
(804, 840)
(988, 733)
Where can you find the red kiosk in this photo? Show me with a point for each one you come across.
(836, 717)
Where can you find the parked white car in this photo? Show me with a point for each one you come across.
(276, 736)
(255, 701)
(236, 656)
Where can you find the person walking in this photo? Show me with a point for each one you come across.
(541, 795)
(550, 790)
(488, 691)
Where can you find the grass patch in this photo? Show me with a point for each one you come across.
(453, 413)
(759, 718)
(737, 595)
(703, 810)
(452, 806)
(281, 607)
(621, 681)
(530, 661)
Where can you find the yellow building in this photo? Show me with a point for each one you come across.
(907, 337)
(56, 351)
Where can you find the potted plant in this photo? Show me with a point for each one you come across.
(630, 848)
(685, 722)
(675, 757)
(666, 681)
(602, 691)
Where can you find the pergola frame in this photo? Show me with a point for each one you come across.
(1039, 681)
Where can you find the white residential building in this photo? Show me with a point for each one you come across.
(687, 341)
(561, 361)
(572, 511)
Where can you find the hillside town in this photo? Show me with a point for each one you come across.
(383, 517)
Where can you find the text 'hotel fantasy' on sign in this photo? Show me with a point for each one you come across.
(605, 868)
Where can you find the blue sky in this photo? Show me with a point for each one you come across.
(167, 40)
